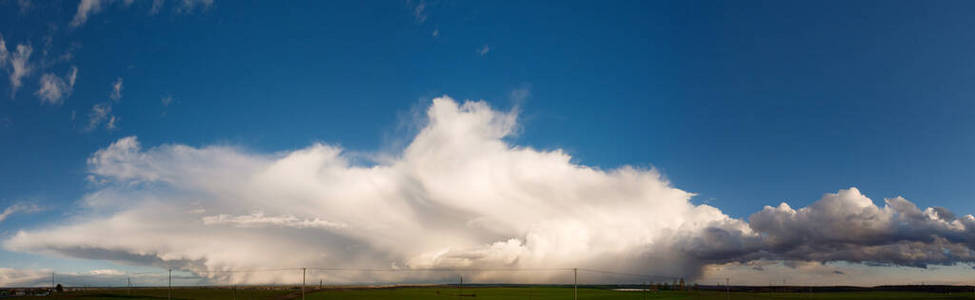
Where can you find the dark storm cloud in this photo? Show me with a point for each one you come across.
(845, 226)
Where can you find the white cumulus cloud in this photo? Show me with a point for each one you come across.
(458, 195)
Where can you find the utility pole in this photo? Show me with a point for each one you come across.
(170, 297)
(460, 288)
(727, 286)
(128, 283)
(303, 283)
(575, 283)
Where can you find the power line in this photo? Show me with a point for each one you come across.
(167, 275)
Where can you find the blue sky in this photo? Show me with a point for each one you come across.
(746, 103)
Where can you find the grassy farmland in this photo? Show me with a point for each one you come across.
(481, 293)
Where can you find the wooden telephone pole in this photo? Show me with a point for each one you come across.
(170, 297)
(575, 283)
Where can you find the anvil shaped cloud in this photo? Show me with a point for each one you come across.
(458, 196)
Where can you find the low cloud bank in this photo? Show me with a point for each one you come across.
(458, 196)
(848, 226)
(10, 277)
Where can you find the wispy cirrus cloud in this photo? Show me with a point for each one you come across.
(419, 10)
(54, 89)
(87, 8)
(16, 63)
(117, 89)
(156, 6)
(101, 115)
(25, 6)
(520, 94)
(186, 6)
(484, 50)
(18, 208)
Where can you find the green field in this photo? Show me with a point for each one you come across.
(479, 293)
